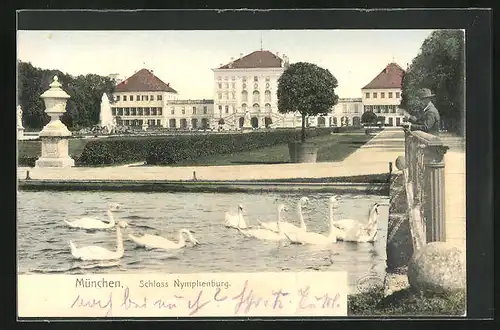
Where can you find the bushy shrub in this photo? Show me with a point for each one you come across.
(162, 152)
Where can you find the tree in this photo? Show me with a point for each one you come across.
(440, 67)
(83, 107)
(369, 117)
(308, 89)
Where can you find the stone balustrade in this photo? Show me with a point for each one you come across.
(424, 182)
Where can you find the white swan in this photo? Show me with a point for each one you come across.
(236, 220)
(306, 237)
(266, 234)
(114, 206)
(287, 226)
(92, 223)
(99, 253)
(158, 242)
(350, 230)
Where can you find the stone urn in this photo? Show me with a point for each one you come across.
(55, 134)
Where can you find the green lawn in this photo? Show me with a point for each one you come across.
(333, 148)
(29, 148)
(405, 303)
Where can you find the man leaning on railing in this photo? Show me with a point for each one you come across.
(429, 121)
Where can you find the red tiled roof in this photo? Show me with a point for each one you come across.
(143, 81)
(257, 59)
(390, 77)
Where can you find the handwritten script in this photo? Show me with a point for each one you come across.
(243, 301)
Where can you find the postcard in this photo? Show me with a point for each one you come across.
(240, 173)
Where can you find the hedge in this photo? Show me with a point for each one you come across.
(117, 150)
(161, 150)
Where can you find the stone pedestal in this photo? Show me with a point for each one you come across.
(55, 134)
(145, 126)
(20, 133)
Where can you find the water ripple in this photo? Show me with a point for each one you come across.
(43, 236)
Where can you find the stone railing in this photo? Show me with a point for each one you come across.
(425, 189)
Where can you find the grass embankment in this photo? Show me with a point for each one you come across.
(405, 303)
(332, 148)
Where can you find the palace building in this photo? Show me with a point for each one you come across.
(144, 99)
(249, 84)
(382, 95)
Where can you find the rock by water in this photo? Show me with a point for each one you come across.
(437, 268)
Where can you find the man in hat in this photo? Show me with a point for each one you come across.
(429, 121)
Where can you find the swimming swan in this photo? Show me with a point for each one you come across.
(266, 234)
(99, 253)
(350, 230)
(311, 238)
(158, 242)
(236, 221)
(92, 223)
(287, 226)
(114, 206)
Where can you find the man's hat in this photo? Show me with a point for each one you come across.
(425, 93)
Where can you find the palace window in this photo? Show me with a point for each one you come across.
(397, 95)
(389, 95)
(153, 111)
(194, 110)
(382, 95)
(219, 95)
(356, 107)
(255, 78)
(140, 111)
(344, 108)
(205, 110)
(268, 85)
(244, 107)
(124, 97)
(244, 96)
(267, 107)
(267, 96)
(256, 107)
(146, 112)
(226, 85)
(227, 108)
(244, 79)
(367, 95)
(256, 96)
(226, 95)
(233, 85)
(151, 97)
(244, 86)
(183, 110)
(113, 111)
(131, 97)
(255, 86)
(118, 97)
(375, 95)
(159, 112)
(268, 79)
(158, 98)
(233, 78)
(220, 86)
(133, 111)
(172, 110)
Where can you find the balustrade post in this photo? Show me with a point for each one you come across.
(434, 194)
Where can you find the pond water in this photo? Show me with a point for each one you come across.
(43, 236)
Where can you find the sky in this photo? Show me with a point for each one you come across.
(185, 59)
